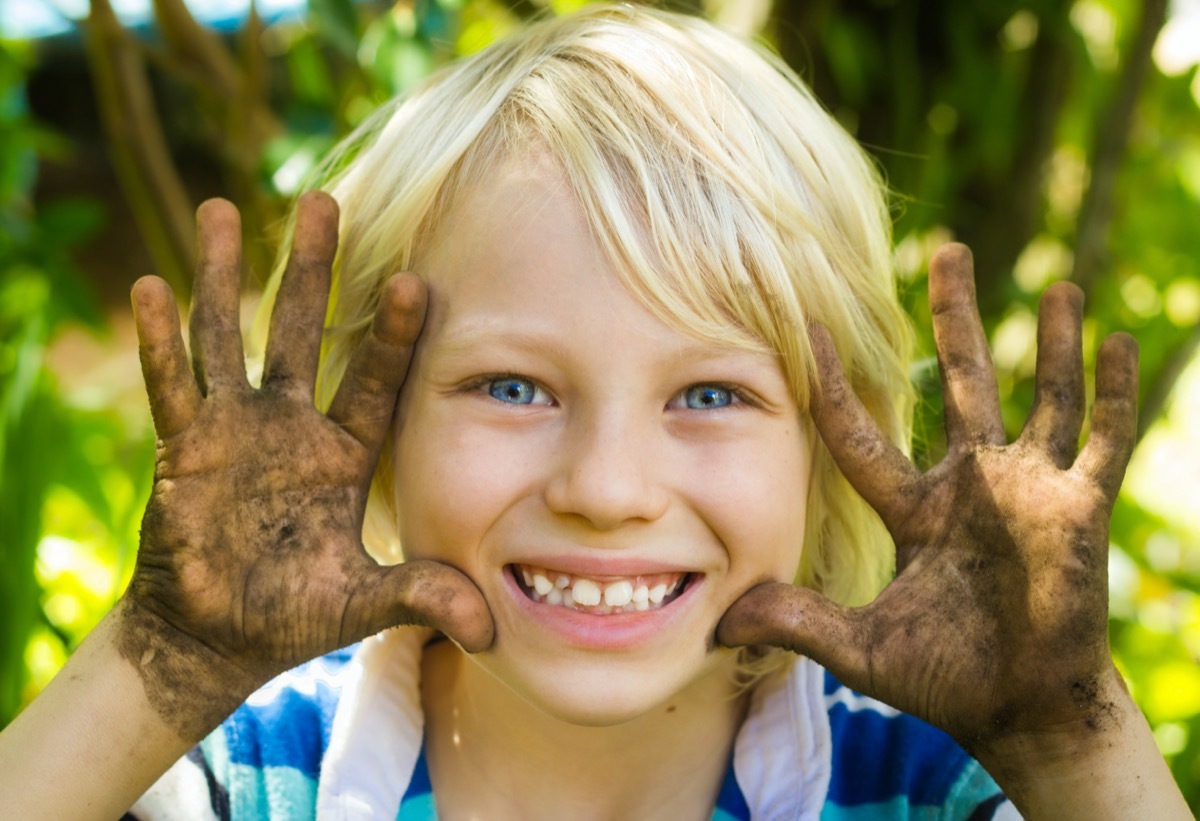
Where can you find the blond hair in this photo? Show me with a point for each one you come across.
(729, 201)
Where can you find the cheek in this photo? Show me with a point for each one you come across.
(452, 483)
(755, 500)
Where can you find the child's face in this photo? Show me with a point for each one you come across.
(551, 426)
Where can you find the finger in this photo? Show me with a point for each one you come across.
(969, 391)
(803, 621)
(366, 398)
(216, 335)
(1114, 415)
(424, 593)
(873, 465)
(298, 318)
(1058, 398)
(174, 396)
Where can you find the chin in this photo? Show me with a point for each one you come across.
(608, 690)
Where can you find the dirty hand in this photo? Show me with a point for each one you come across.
(251, 559)
(995, 627)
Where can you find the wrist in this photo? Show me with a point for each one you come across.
(1102, 710)
(1101, 764)
(190, 685)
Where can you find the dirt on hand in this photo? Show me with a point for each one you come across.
(251, 558)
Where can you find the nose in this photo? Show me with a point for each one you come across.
(607, 472)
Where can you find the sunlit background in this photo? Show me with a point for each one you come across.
(1060, 139)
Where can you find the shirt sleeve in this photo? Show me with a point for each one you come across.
(186, 792)
(263, 762)
(890, 765)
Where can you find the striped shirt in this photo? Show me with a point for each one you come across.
(308, 745)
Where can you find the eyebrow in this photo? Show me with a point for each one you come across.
(473, 338)
(468, 340)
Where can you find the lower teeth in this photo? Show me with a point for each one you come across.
(560, 600)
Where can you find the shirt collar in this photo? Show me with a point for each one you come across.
(781, 756)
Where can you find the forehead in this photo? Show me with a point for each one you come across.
(516, 249)
(511, 192)
(517, 205)
(520, 215)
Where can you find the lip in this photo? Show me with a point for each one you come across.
(603, 568)
(616, 631)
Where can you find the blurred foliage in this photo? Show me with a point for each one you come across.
(1040, 132)
(71, 476)
(990, 120)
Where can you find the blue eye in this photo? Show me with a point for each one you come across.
(704, 397)
(512, 390)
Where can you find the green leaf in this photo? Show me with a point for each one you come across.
(336, 22)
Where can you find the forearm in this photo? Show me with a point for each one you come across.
(91, 743)
(1113, 770)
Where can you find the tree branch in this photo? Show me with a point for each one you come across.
(197, 46)
(998, 242)
(231, 89)
(138, 148)
(1111, 138)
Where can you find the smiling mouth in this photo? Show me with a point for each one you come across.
(631, 594)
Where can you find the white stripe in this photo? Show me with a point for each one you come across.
(303, 680)
(783, 751)
(377, 730)
(855, 703)
(180, 795)
(1007, 812)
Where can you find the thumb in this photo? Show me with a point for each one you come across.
(802, 621)
(421, 593)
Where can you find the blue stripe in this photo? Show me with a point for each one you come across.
(720, 815)
(421, 783)
(418, 803)
(896, 809)
(731, 804)
(878, 758)
(292, 730)
(977, 792)
(418, 808)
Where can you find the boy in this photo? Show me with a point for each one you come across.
(644, 254)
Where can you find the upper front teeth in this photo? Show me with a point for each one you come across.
(619, 594)
(585, 592)
(622, 595)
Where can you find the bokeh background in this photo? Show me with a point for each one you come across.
(1060, 138)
